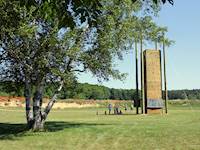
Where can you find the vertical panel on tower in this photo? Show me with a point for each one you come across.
(153, 81)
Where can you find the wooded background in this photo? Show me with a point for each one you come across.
(89, 91)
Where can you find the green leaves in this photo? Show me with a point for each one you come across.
(164, 1)
(108, 31)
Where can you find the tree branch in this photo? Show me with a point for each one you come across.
(78, 70)
(68, 64)
(52, 101)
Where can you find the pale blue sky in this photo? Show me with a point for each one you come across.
(183, 59)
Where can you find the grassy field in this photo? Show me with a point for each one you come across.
(82, 129)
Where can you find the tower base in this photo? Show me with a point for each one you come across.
(154, 111)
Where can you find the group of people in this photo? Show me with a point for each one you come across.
(116, 108)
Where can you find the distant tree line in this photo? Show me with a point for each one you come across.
(184, 94)
(89, 91)
(77, 91)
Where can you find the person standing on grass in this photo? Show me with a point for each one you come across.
(109, 108)
(116, 109)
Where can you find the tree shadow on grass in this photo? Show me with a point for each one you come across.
(9, 131)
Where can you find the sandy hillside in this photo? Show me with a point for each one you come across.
(19, 102)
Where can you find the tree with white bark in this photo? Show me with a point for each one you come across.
(51, 41)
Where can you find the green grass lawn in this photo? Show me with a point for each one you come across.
(82, 129)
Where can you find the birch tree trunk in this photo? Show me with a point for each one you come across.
(27, 95)
(52, 101)
(39, 117)
(37, 103)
